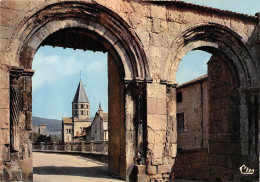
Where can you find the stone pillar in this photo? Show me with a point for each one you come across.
(249, 120)
(71, 146)
(14, 108)
(91, 146)
(104, 147)
(171, 125)
(137, 128)
(83, 144)
(42, 146)
(158, 160)
(54, 146)
(67, 147)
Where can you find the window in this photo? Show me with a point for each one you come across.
(180, 121)
(69, 130)
(179, 97)
(82, 112)
(75, 106)
(87, 106)
(81, 106)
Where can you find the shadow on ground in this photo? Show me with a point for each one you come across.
(97, 171)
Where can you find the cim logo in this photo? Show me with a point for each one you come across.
(246, 170)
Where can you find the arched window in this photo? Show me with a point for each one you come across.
(82, 112)
(81, 106)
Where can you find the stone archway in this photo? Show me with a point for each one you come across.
(222, 42)
(128, 75)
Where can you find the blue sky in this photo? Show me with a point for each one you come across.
(57, 70)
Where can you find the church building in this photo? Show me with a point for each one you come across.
(74, 127)
(99, 127)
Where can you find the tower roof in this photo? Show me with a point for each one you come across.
(80, 95)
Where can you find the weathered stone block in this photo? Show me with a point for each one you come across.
(218, 160)
(16, 175)
(161, 106)
(151, 169)
(156, 161)
(5, 118)
(151, 105)
(165, 168)
(224, 137)
(157, 122)
(158, 12)
(173, 150)
(223, 148)
(244, 148)
(5, 98)
(156, 90)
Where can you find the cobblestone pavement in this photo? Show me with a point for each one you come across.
(68, 168)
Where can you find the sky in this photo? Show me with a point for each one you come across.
(57, 70)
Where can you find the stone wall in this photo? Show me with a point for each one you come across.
(224, 128)
(194, 105)
(192, 164)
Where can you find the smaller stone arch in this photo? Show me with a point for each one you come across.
(216, 39)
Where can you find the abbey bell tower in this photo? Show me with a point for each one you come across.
(80, 104)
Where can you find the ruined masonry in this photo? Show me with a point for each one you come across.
(145, 42)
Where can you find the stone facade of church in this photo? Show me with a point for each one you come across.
(99, 126)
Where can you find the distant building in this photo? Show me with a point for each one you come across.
(193, 114)
(99, 126)
(74, 127)
(41, 129)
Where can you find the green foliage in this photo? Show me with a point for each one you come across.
(38, 138)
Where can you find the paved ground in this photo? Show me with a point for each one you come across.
(50, 167)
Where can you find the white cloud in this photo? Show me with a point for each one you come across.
(97, 66)
(53, 68)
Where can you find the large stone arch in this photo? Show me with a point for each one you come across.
(125, 50)
(226, 44)
(30, 33)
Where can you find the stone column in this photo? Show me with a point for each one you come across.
(42, 146)
(83, 144)
(158, 164)
(171, 125)
(137, 129)
(249, 121)
(14, 108)
(91, 146)
(54, 146)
